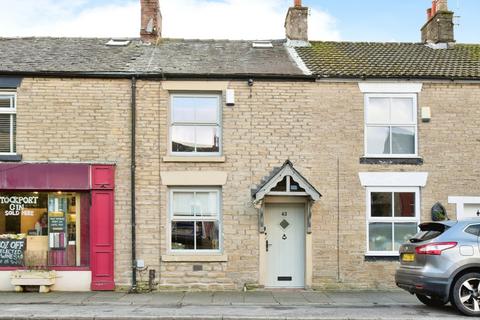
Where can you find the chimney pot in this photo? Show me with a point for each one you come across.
(151, 21)
(429, 13)
(298, 3)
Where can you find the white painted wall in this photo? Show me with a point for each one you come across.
(66, 281)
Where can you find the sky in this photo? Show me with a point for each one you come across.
(339, 20)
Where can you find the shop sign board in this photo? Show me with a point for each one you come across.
(11, 252)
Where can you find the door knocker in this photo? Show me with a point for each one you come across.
(284, 237)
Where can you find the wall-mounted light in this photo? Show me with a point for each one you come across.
(230, 97)
(426, 114)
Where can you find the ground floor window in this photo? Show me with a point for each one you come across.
(195, 221)
(43, 229)
(392, 218)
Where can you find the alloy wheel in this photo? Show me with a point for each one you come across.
(469, 295)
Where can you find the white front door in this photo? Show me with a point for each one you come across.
(285, 234)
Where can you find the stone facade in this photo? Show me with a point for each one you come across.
(318, 126)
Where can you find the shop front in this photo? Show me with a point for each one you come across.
(57, 218)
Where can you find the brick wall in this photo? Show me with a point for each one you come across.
(315, 125)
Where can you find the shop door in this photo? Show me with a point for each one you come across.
(285, 245)
(102, 256)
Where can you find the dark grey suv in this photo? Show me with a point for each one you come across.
(441, 263)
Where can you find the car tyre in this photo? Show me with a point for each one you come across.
(465, 295)
(431, 301)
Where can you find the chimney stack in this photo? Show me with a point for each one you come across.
(439, 26)
(151, 21)
(296, 22)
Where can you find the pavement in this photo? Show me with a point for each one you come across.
(228, 305)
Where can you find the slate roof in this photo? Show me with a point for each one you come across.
(170, 56)
(217, 57)
(391, 60)
(223, 58)
(65, 55)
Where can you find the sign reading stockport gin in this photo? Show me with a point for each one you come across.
(11, 252)
(16, 205)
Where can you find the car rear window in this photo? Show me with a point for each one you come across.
(429, 231)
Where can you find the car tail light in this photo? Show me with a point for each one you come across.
(435, 249)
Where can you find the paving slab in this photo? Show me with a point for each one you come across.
(197, 298)
(105, 296)
(259, 297)
(228, 297)
(166, 298)
(317, 297)
(290, 298)
(346, 297)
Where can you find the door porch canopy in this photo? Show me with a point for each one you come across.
(284, 181)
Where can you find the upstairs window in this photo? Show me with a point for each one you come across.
(390, 125)
(195, 127)
(8, 123)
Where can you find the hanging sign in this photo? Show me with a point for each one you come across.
(11, 252)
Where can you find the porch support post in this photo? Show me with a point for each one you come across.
(309, 216)
(261, 215)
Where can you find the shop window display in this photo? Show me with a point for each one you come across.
(43, 229)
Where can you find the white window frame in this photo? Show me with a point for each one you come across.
(218, 96)
(414, 124)
(12, 111)
(392, 220)
(218, 218)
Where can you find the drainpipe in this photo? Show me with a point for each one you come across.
(133, 289)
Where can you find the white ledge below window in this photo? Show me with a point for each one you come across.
(194, 258)
(193, 159)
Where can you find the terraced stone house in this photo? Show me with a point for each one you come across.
(214, 164)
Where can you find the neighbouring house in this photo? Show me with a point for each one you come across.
(217, 164)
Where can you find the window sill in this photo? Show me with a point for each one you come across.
(10, 157)
(194, 258)
(193, 159)
(381, 258)
(409, 161)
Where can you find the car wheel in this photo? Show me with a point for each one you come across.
(430, 301)
(465, 295)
